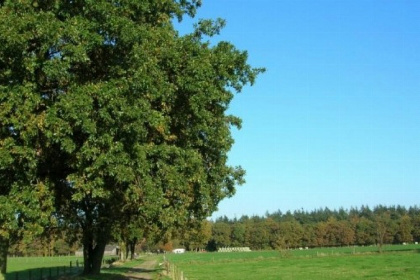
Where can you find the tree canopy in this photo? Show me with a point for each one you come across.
(107, 111)
(319, 228)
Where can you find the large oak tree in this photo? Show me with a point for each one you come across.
(108, 110)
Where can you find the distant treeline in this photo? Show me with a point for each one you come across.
(319, 228)
(362, 226)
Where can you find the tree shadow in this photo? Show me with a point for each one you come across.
(134, 273)
(401, 250)
(43, 273)
(143, 270)
(135, 278)
(101, 276)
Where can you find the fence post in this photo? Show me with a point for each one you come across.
(17, 276)
(40, 274)
(30, 274)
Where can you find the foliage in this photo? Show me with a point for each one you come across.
(44, 245)
(319, 228)
(106, 109)
(283, 233)
(196, 235)
(25, 198)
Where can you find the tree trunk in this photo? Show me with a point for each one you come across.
(133, 247)
(4, 247)
(123, 251)
(127, 249)
(95, 238)
(380, 237)
(93, 256)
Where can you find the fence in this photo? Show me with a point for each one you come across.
(173, 272)
(47, 273)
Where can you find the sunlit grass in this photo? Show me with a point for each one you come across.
(397, 262)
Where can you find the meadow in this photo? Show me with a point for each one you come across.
(39, 267)
(396, 262)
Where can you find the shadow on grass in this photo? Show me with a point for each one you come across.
(401, 250)
(102, 276)
(135, 273)
(122, 273)
(75, 273)
(134, 270)
(43, 273)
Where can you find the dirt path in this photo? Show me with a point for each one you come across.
(144, 271)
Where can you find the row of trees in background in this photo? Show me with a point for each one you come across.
(299, 229)
(319, 228)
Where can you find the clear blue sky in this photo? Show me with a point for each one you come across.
(335, 120)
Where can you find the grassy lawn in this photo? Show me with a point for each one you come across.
(34, 267)
(23, 263)
(396, 262)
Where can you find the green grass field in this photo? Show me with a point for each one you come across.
(31, 268)
(24, 263)
(34, 267)
(396, 262)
